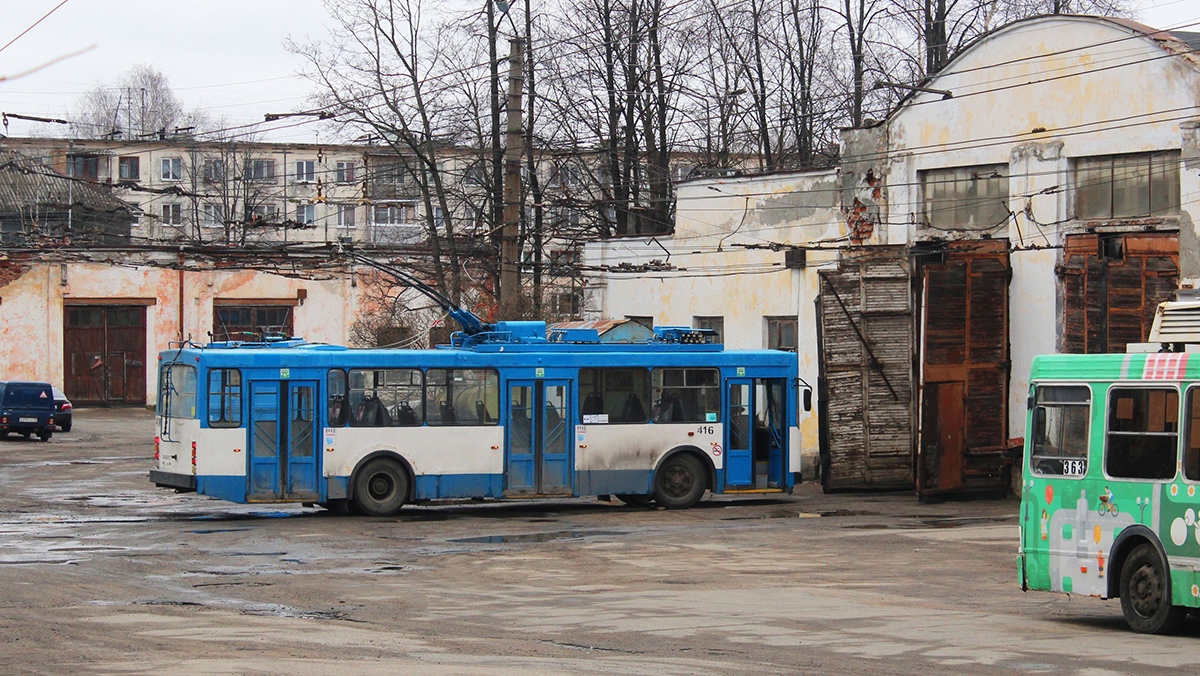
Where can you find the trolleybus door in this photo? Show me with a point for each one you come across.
(739, 444)
(756, 433)
(538, 438)
(283, 461)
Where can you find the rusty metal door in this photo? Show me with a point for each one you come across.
(1112, 285)
(866, 405)
(103, 354)
(964, 370)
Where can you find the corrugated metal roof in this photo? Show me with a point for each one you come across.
(25, 183)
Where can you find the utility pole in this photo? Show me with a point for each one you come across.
(510, 295)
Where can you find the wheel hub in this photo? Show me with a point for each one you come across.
(1146, 587)
(380, 486)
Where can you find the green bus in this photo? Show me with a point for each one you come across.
(1109, 489)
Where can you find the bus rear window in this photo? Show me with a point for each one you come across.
(177, 391)
(1060, 430)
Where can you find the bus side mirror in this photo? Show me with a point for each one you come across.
(1039, 425)
(807, 399)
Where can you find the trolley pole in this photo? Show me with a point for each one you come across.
(509, 295)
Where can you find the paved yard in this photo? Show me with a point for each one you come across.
(102, 572)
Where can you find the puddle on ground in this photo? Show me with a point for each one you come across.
(526, 538)
(275, 610)
(936, 522)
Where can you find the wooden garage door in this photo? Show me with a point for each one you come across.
(1112, 285)
(866, 402)
(964, 392)
(104, 352)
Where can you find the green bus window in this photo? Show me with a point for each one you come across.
(611, 396)
(1191, 454)
(224, 398)
(1143, 433)
(1060, 430)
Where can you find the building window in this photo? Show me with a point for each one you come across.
(83, 166)
(306, 171)
(1143, 433)
(344, 172)
(781, 333)
(1127, 186)
(260, 170)
(214, 170)
(1060, 430)
(567, 176)
(394, 214)
(966, 198)
(712, 323)
(172, 169)
(681, 172)
(565, 304)
(214, 215)
(345, 215)
(647, 322)
(251, 323)
(263, 212)
(172, 214)
(306, 213)
(129, 168)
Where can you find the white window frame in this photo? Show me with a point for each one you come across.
(306, 171)
(346, 216)
(344, 172)
(171, 168)
(306, 213)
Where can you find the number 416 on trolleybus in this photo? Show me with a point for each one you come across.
(505, 411)
(1110, 500)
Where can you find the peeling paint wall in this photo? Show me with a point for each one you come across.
(1034, 96)
(717, 275)
(31, 308)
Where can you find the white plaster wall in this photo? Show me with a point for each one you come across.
(717, 277)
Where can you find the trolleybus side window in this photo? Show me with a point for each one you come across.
(462, 397)
(1143, 433)
(177, 391)
(613, 395)
(224, 398)
(686, 395)
(1060, 430)
(1191, 454)
(385, 397)
(337, 410)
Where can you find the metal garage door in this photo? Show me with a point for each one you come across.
(104, 352)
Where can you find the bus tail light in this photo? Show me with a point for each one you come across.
(193, 457)
(156, 440)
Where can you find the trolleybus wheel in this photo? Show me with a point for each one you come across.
(679, 482)
(380, 487)
(634, 499)
(1146, 593)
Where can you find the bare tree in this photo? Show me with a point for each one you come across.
(139, 104)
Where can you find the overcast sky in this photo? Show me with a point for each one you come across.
(223, 55)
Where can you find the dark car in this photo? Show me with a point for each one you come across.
(27, 408)
(62, 410)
